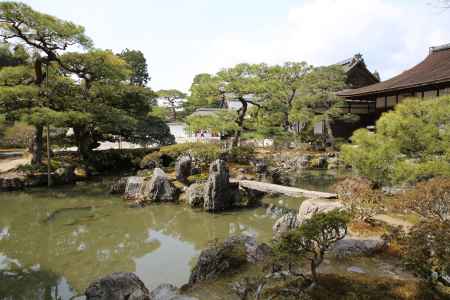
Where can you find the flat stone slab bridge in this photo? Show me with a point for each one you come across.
(281, 189)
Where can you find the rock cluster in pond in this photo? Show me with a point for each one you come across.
(230, 255)
(183, 168)
(219, 193)
(195, 195)
(118, 187)
(127, 286)
(159, 188)
(118, 286)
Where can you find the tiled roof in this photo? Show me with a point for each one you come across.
(433, 70)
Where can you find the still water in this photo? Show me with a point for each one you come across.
(54, 243)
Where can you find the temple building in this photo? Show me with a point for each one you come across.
(430, 78)
(358, 76)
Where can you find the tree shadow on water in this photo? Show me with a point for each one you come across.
(28, 284)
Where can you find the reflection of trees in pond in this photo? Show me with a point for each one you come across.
(81, 251)
(199, 228)
(29, 285)
(82, 245)
(318, 180)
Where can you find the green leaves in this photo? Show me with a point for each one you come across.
(411, 142)
(139, 70)
(219, 122)
(96, 65)
(45, 32)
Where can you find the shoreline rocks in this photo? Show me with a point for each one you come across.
(118, 286)
(228, 256)
(168, 291)
(310, 207)
(17, 180)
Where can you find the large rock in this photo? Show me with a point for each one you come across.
(230, 255)
(183, 168)
(195, 195)
(285, 224)
(310, 207)
(118, 286)
(168, 292)
(159, 188)
(118, 187)
(218, 195)
(359, 246)
(307, 210)
(64, 175)
(12, 182)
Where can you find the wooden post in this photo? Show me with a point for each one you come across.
(49, 161)
(49, 168)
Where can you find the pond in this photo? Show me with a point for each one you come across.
(54, 243)
(316, 180)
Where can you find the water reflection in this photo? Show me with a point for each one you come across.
(315, 180)
(98, 235)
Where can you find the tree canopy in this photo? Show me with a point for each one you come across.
(108, 100)
(138, 64)
(411, 143)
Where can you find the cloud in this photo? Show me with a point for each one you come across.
(391, 35)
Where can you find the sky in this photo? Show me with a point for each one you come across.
(182, 38)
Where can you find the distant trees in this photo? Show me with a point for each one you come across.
(411, 143)
(274, 100)
(240, 83)
(221, 122)
(173, 99)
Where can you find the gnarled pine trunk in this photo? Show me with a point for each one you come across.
(240, 122)
(37, 146)
(83, 141)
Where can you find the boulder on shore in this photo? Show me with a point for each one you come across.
(285, 224)
(159, 188)
(183, 168)
(310, 207)
(218, 194)
(230, 255)
(167, 291)
(358, 246)
(12, 182)
(118, 286)
(195, 195)
(307, 210)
